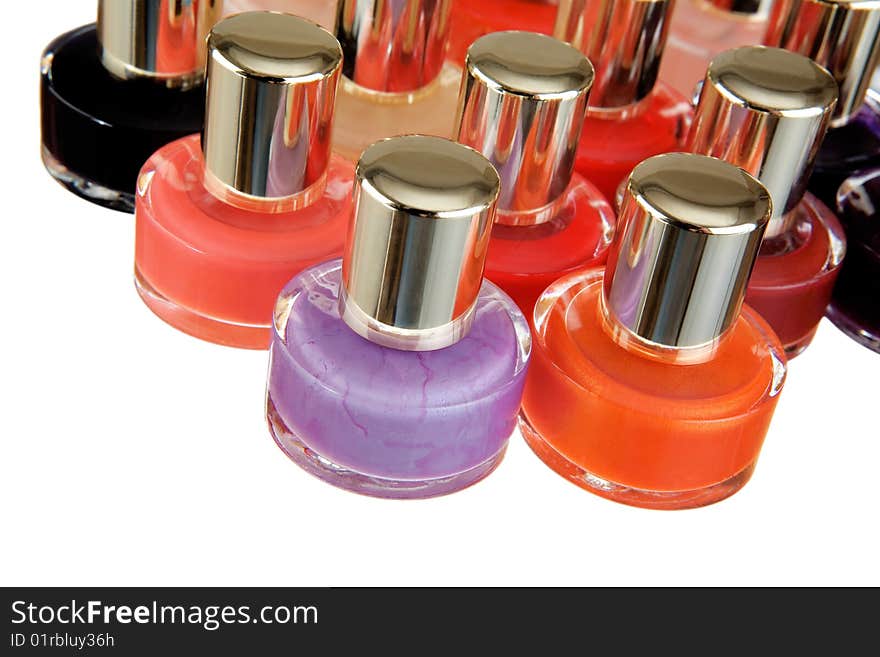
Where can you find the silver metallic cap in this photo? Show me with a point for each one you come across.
(624, 40)
(522, 105)
(841, 35)
(393, 45)
(689, 230)
(766, 110)
(270, 92)
(156, 38)
(417, 242)
(750, 8)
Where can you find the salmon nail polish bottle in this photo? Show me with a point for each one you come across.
(224, 219)
(701, 29)
(843, 36)
(522, 105)
(766, 110)
(113, 92)
(652, 384)
(398, 372)
(322, 12)
(631, 115)
(396, 79)
(472, 19)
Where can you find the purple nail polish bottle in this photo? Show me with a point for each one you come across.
(397, 371)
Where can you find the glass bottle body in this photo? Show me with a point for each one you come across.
(524, 259)
(322, 12)
(698, 32)
(614, 141)
(214, 270)
(98, 130)
(848, 149)
(387, 422)
(795, 272)
(855, 304)
(644, 428)
(472, 19)
(364, 116)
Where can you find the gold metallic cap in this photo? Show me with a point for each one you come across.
(270, 93)
(841, 35)
(156, 39)
(750, 8)
(522, 105)
(689, 230)
(624, 40)
(766, 110)
(393, 45)
(416, 245)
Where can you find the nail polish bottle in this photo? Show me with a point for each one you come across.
(472, 19)
(844, 37)
(322, 12)
(522, 106)
(397, 371)
(855, 306)
(652, 384)
(224, 219)
(395, 79)
(631, 115)
(701, 29)
(766, 110)
(114, 91)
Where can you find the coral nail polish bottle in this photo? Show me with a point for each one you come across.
(322, 12)
(223, 221)
(114, 91)
(395, 78)
(398, 372)
(701, 29)
(844, 37)
(653, 385)
(766, 110)
(855, 306)
(631, 115)
(472, 19)
(522, 105)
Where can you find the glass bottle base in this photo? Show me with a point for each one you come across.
(646, 499)
(85, 188)
(853, 329)
(342, 477)
(243, 336)
(793, 349)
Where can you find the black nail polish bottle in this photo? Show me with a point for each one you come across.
(114, 91)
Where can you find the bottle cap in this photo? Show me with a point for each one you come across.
(758, 9)
(393, 45)
(271, 86)
(766, 110)
(522, 105)
(164, 41)
(689, 231)
(417, 242)
(624, 40)
(841, 35)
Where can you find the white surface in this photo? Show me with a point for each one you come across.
(134, 454)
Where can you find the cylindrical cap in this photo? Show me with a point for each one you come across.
(766, 110)
(624, 40)
(393, 45)
(750, 8)
(156, 38)
(270, 92)
(417, 242)
(522, 105)
(689, 230)
(841, 35)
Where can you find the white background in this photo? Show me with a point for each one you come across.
(135, 455)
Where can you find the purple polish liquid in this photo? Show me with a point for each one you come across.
(387, 414)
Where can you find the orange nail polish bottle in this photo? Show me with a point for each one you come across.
(651, 384)
(225, 219)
